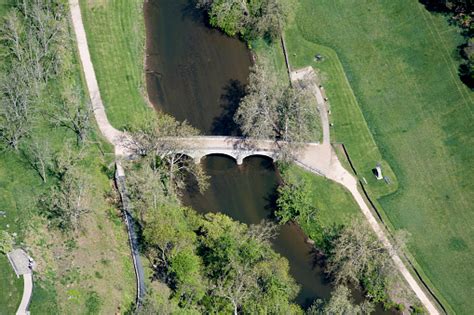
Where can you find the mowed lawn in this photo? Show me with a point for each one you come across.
(401, 62)
(116, 37)
(335, 205)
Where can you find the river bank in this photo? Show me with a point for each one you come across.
(187, 81)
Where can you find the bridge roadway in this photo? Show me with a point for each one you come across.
(239, 149)
(318, 158)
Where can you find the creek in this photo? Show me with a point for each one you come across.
(198, 74)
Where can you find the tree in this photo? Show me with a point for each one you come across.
(166, 233)
(271, 110)
(73, 114)
(294, 200)
(187, 277)
(249, 19)
(37, 153)
(243, 268)
(214, 264)
(157, 143)
(340, 303)
(68, 201)
(462, 14)
(357, 256)
(7, 241)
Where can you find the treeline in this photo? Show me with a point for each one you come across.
(44, 118)
(250, 19)
(209, 263)
(352, 254)
(462, 14)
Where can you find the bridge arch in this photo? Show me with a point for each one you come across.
(237, 156)
(267, 155)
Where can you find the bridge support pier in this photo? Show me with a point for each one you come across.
(197, 159)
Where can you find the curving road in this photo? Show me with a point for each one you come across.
(318, 158)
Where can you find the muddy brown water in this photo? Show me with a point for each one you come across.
(197, 74)
(194, 73)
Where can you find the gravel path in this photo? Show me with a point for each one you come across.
(27, 292)
(333, 169)
(113, 135)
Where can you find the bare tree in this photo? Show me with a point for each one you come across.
(33, 37)
(146, 188)
(46, 34)
(357, 254)
(11, 35)
(15, 107)
(271, 110)
(74, 114)
(263, 232)
(38, 155)
(66, 159)
(236, 287)
(257, 113)
(66, 203)
(157, 143)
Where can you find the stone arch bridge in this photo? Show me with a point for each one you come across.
(235, 147)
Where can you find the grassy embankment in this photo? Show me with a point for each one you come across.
(335, 205)
(116, 36)
(401, 63)
(73, 276)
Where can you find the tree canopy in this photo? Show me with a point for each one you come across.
(272, 110)
(217, 265)
(248, 18)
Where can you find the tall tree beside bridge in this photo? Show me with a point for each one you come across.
(272, 110)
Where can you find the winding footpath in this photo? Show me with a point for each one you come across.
(27, 293)
(113, 135)
(317, 158)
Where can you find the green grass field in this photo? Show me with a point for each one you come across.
(334, 204)
(401, 62)
(116, 36)
(95, 271)
(11, 287)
